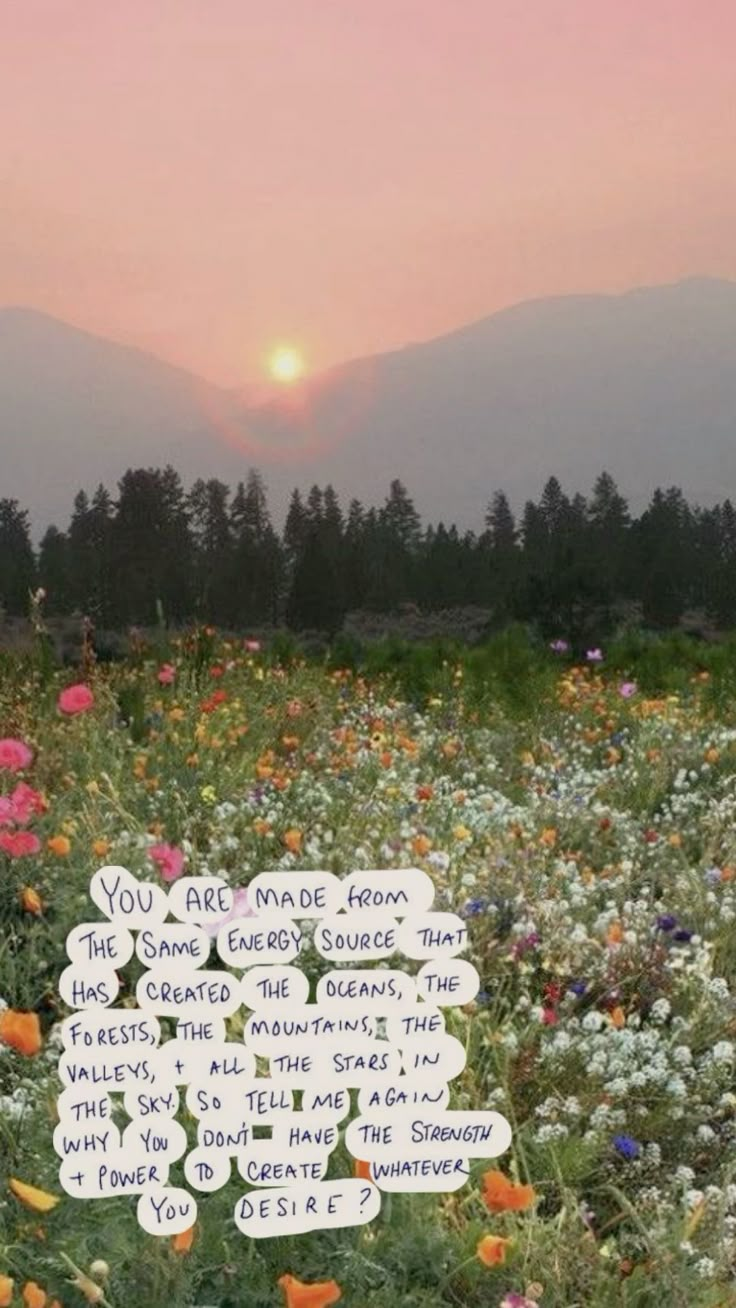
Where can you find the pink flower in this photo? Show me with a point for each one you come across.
(15, 755)
(18, 843)
(17, 808)
(252, 646)
(594, 655)
(166, 674)
(627, 689)
(75, 699)
(240, 908)
(169, 861)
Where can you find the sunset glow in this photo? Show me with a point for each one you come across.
(300, 163)
(286, 364)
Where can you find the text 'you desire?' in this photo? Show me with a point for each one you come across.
(319, 1026)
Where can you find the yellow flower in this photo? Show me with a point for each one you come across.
(31, 901)
(176, 714)
(209, 794)
(461, 832)
(59, 845)
(39, 1200)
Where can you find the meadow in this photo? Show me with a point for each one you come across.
(579, 812)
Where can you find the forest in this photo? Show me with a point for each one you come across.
(566, 563)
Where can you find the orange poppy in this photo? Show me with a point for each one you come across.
(501, 1195)
(59, 845)
(33, 1296)
(183, 1241)
(317, 1295)
(6, 1291)
(362, 1170)
(491, 1250)
(614, 934)
(293, 840)
(22, 1031)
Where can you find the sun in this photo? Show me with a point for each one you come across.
(286, 364)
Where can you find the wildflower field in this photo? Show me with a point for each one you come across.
(580, 814)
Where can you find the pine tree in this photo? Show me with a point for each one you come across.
(53, 571)
(17, 562)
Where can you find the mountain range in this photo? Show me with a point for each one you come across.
(642, 384)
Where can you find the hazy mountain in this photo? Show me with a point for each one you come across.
(643, 384)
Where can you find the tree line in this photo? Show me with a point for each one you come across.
(210, 554)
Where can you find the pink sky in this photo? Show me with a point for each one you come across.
(205, 178)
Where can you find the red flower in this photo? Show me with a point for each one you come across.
(18, 807)
(75, 699)
(168, 860)
(15, 755)
(18, 843)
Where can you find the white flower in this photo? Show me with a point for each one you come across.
(660, 1010)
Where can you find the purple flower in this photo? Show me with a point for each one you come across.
(682, 936)
(474, 907)
(626, 1146)
(527, 942)
(627, 689)
(666, 922)
(559, 646)
(594, 655)
(578, 987)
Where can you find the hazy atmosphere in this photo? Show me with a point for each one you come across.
(207, 180)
